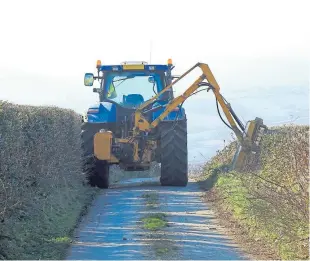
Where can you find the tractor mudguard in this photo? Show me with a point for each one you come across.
(102, 112)
(180, 113)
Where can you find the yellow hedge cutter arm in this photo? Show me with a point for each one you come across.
(249, 137)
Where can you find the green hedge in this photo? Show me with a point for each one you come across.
(273, 202)
(42, 188)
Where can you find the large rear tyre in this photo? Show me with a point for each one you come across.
(96, 171)
(174, 160)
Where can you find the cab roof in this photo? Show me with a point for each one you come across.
(135, 67)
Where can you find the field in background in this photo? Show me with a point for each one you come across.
(270, 202)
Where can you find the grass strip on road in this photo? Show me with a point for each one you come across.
(155, 221)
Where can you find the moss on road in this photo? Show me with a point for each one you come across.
(155, 221)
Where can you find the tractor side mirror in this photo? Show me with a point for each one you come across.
(88, 79)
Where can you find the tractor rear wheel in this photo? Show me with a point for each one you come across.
(96, 171)
(174, 161)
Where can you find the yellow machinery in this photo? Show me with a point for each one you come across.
(140, 145)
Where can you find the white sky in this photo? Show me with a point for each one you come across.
(47, 46)
(60, 37)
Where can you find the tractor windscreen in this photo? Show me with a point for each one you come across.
(131, 89)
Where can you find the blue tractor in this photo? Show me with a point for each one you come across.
(123, 89)
(139, 121)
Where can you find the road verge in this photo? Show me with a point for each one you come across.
(266, 208)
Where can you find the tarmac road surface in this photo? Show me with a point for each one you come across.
(112, 230)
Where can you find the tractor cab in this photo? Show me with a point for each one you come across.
(131, 83)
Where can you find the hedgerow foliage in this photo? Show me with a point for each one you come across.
(43, 191)
(42, 188)
(272, 199)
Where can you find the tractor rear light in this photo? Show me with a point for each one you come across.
(93, 111)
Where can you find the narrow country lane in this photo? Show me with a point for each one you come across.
(113, 228)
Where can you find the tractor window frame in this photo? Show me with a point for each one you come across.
(104, 82)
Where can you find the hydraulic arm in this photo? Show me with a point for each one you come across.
(249, 137)
(141, 124)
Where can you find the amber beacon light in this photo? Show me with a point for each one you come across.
(98, 63)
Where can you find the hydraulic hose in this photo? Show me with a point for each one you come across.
(219, 113)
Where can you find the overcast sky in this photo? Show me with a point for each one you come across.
(47, 46)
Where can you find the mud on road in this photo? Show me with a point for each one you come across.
(120, 225)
